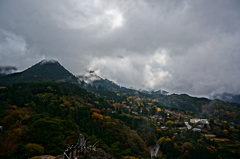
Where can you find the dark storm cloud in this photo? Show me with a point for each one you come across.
(184, 46)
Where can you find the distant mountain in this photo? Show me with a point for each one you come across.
(163, 92)
(202, 107)
(53, 71)
(46, 70)
(5, 70)
(227, 97)
(91, 78)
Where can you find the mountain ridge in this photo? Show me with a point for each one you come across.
(233, 98)
(44, 95)
(52, 70)
(45, 70)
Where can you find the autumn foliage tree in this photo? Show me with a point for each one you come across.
(96, 117)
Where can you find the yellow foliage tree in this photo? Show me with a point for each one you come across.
(158, 109)
(169, 123)
(129, 157)
(232, 129)
(161, 140)
(225, 131)
(168, 139)
(212, 149)
(187, 145)
(34, 149)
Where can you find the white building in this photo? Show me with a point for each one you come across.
(196, 129)
(202, 121)
(188, 126)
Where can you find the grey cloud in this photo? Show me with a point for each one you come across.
(13, 48)
(184, 46)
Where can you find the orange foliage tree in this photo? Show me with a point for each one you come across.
(97, 117)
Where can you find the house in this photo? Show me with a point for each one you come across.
(134, 112)
(200, 126)
(202, 121)
(231, 123)
(128, 107)
(188, 126)
(196, 129)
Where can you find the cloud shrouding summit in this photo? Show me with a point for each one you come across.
(183, 46)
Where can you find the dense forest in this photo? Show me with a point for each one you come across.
(44, 118)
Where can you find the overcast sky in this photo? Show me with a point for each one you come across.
(182, 46)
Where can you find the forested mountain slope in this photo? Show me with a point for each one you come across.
(45, 70)
(50, 116)
(44, 108)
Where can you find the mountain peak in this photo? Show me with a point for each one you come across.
(45, 70)
(47, 61)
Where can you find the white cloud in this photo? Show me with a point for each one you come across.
(88, 15)
(12, 45)
(147, 71)
(155, 78)
(183, 46)
(115, 18)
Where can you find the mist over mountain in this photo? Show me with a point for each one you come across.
(234, 98)
(52, 70)
(178, 45)
(152, 66)
(89, 77)
(99, 83)
(5, 70)
(105, 110)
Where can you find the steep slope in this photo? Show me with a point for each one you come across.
(54, 113)
(46, 70)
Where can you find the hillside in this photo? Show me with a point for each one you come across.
(44, 108)
(67, 110)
